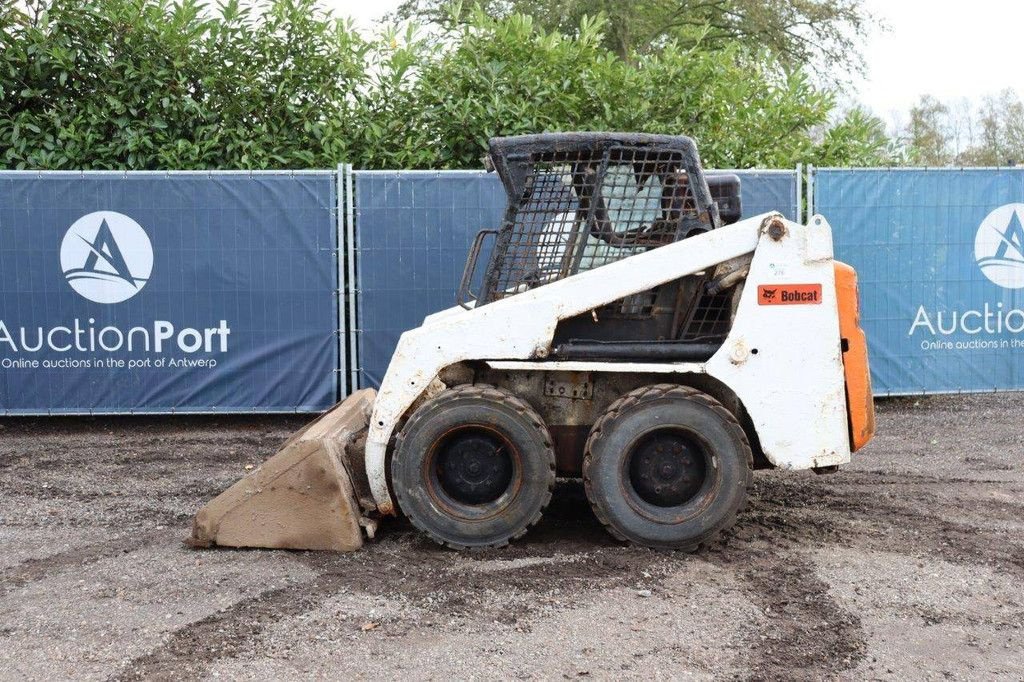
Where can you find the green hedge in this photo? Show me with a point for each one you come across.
(150, 84)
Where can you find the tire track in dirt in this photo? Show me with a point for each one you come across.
(797, 512)
(34, 570)
(812, 637)
(189, 651)
(815, 636)
(578, 558)
(809, 636)
(432, 578)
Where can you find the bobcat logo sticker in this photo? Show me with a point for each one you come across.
(106, 257)
(789, 294)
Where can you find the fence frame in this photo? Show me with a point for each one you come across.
(341, 359)
(811, 189)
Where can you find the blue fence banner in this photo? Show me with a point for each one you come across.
(940, 259)
(167, 292)
(414, 230)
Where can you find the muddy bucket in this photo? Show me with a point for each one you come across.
(308, 496)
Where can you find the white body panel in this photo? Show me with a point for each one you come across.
(792, 386)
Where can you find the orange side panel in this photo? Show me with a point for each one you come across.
(859, 399)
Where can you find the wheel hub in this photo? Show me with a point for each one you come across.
(667, 468)
(474, 467)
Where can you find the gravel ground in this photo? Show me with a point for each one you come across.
(906, 564)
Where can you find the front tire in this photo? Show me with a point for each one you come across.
(667, 466)
(474, 467)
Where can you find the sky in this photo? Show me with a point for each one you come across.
(365, 12)
(951, 49)
(948, 49)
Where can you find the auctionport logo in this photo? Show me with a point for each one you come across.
(106, 257)
(999, 246)
(999, 253)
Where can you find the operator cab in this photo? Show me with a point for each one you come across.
(579, 201)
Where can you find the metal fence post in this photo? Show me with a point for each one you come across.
(340, 223)
(810, 191)
(799, 193)
(353, 291)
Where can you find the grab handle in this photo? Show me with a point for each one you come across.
(465, 295)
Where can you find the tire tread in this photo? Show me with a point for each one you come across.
(492, 393)
(646, 394)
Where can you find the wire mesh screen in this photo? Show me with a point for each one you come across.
(582, 209)
(711, 317)
(542, 230)
(939, 313)
(415, 228)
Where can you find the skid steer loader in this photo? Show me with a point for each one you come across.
(628, 329)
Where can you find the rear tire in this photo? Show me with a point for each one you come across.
(667, 466)
(474, 467)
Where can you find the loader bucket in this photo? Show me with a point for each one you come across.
(310, 495)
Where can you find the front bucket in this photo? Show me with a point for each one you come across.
(304, 497)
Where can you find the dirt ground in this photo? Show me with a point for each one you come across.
(906, 564)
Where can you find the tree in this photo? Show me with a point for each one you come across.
(858, 138)
(992, 134)
(823, 32)
(928, 133)
(507, 76)
(154, 84)
(1001, 138)
(962, 128)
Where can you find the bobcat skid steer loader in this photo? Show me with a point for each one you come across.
(628, 329)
